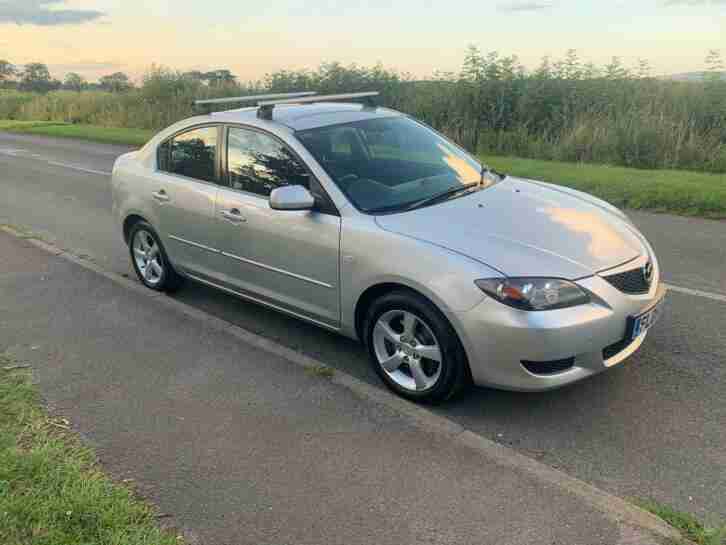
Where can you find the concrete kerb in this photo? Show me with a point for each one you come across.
(613, 507)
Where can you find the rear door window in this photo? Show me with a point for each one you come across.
(192, 154)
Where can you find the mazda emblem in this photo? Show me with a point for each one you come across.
(648, 272)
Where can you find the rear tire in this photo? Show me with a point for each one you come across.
(150, 261)
(414, 349)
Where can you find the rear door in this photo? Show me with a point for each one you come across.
(184, 192)
(288, 259)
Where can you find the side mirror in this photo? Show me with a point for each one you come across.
(291, 197)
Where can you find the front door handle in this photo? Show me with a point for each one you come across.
(233, 215)
(160, 196)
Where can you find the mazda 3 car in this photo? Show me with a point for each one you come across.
(366, 222)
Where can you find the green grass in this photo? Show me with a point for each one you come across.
(675, 191)
(51, 490)
(692, 529)
(322, 371)
(94, 133)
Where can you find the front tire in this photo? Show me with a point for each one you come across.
(414, 349)
(150, 261)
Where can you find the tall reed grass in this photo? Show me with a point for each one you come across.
(565, 110)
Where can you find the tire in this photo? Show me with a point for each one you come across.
(418, 339)
(160, 275)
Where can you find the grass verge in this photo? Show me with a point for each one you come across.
(322, 371)
(692, 529)
(93, 133)
(51, 490)
(675, 191)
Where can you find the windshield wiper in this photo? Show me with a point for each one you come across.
(444, 195)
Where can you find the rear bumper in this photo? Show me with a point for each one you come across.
(498, 338)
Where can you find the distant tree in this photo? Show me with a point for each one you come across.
(74, 82)
(194, 75)
(615, 70)
(36, 77)
(115, 83)
(570, 67)
(714, 65)
(220, 78)
(643, 70)
(7, 71)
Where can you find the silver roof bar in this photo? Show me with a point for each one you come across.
(252, 98)
(266, 107)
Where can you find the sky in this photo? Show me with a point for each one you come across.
(253, 38)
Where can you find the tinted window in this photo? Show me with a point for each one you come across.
(258, 163)
(192, 154)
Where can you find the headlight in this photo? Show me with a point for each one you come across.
(534, 293)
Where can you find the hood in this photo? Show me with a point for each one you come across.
(522, 228)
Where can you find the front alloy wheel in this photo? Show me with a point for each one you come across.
(407, 350)
(414, 349)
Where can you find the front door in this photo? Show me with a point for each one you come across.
(288, 259)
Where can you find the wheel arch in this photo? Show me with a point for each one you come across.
(129, 221)
(375, 291)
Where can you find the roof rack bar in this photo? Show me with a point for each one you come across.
(205, 106)
(319, 98)
(266, 107)
(252, 98)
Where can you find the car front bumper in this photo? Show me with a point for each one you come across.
(498, 338)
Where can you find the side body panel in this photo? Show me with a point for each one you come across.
(131, 186)
(186, 220)
(289, 258)
(371, 256)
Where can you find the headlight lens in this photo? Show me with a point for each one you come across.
(534, 293)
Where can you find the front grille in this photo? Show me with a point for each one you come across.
(615, 348)
(548, 367)
(632, 281)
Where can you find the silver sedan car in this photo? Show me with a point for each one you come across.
(368, 223)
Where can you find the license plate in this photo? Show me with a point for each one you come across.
(643, 322)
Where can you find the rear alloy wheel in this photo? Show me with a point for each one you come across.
(414, 349)
(149, 259)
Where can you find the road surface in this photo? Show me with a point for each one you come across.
(652, 427)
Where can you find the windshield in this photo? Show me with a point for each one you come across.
(393, 164)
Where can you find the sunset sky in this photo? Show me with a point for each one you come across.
(252, 38)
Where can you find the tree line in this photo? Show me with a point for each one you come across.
(35, 77)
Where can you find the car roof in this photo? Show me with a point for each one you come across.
(300, 117)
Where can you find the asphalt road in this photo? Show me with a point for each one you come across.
(653, 427)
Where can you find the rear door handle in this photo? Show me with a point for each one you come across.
(160, 196)
(233, 215)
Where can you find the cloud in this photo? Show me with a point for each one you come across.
(42, 12)
(518, 7)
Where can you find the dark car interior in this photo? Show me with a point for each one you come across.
(373, 175)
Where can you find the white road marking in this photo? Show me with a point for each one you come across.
(12, 151)
(82, 169)
(698, 293)
(19, 152)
